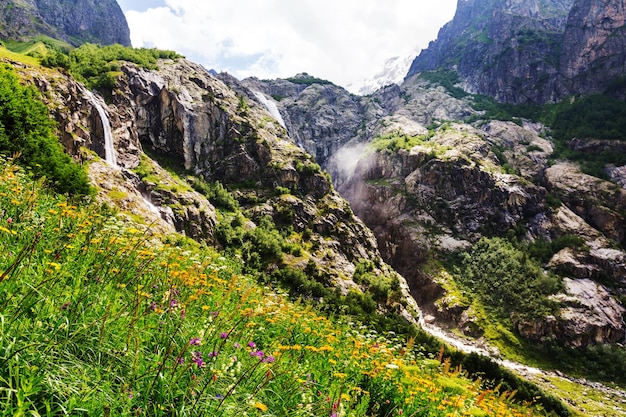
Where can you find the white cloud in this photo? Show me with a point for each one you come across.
(344, 41)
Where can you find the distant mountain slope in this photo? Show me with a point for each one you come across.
(531, 51)
(74, 21)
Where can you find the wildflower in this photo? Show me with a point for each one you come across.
(268, 359)
(258, 353)
(180, 361)
(196, 357)
(252, 345)
(237, 345)
(195, 341)
(260, 406)
(223, 335)
(182, 313)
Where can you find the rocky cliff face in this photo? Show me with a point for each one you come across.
(182, 113)
(76, 22)
(464, 182)
(506, 50)
(594, 48)
(320, 118)
(531, 51)
(442, 196)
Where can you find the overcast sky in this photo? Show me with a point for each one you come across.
(344, 41)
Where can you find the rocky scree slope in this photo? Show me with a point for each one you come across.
(187, 117)
(75, 22)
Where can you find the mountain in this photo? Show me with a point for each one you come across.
(393, 71)
(75, 22)
(443, 176)
(530, 51)
(418, 203)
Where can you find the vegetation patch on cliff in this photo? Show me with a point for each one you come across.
(27, 132)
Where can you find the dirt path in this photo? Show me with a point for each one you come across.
(586, 398)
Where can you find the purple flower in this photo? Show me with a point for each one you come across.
(182, 313)
(196, 357)
(180, 361)
(268, 359)
(237, 345)
(195, 341)
(223, 335)
(258, 353)
(153, 306)
(252, 345)
(173, 302)
(213, 354)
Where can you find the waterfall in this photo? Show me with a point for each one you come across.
(271, 107)
(154, 209)
(109, 149)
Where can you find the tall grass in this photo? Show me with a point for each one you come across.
(98, 317)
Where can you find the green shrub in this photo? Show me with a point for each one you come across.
(27, 129)
(508, 280)
(308, 80)
(215, 192)
(94, 65)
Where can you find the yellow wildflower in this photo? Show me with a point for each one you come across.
(260, 406)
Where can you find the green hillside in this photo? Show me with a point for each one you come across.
(99, 316)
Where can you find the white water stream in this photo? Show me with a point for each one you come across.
(109, 149)
(271, 107)
(154, 209)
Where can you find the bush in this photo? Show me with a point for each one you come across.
(508, 281)
(27, 129)
(215, 192)
(94, 65)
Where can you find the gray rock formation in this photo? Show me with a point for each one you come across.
(593, 55)
(76, 22)
(532, 51)
(503, 49)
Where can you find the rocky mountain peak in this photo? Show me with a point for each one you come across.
(74, 21)
(531, 51)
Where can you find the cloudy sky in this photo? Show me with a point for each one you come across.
(344, 41)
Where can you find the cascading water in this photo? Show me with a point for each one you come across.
(153, 209)
(271, 107)
(109, 149)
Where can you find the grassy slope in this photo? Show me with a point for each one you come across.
(100, 317)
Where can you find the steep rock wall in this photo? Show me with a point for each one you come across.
(75, 22)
